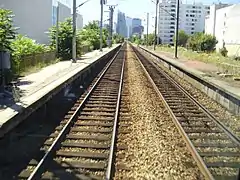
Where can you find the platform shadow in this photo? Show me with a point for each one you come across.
(24, 144)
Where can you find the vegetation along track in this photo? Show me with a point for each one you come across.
(215, 149)
(84, 147)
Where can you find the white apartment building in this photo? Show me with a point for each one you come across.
(35, 17)
(191, 19)
(223, 22)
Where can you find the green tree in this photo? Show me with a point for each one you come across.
(65, 36)
(182, 38)
(21, 47)
(202, 42)
(117, 38)
(91, 33)
(136, 39)
(7, 32)
(150, 40)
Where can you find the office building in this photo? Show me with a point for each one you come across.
(223, 22)
(121, 25)
(191, 19)
(137, 28)
(129, 26)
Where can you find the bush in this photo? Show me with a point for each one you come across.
(65, 36)
(202, 42)
(117, 38)
(223, 52)
(91, 33)
(86, 46)
(7, 32)
(23, 46)
(182, 38)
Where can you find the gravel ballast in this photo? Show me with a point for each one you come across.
(223, 115)
(156, 150)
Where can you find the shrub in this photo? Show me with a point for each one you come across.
(23, 46)
(223, 51)
(182, 38)
(202, 42)
(65, 36)
(117, 38)
(7, 32)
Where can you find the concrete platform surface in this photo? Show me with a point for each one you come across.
(202, 70)
(36, 85)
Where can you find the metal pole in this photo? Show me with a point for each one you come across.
(101, 23)
(57, 29)
(74, 32)
(147, 27)
(176, 31)
(155, 33)
(109, 27)
(111, 24)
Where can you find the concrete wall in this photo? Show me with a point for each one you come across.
(79, 21)
(223, 22)
(33, 17)
(64, 12)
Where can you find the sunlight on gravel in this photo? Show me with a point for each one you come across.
(155, 148)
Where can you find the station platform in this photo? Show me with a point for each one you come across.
(37, 85)
(224, 90)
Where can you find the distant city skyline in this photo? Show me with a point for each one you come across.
(91, 10)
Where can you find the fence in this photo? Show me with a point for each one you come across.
(32, 60)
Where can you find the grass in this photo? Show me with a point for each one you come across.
(224, 64)
(37, 67)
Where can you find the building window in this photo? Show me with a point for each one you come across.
(192, 28)
(192, 24)
(186, 15)
(199, 16)
(171, 27)
(192, 19)
(187, 11)
(171, 31)
(173, 6)
(193, 7)
(199, 11)
(192, 32)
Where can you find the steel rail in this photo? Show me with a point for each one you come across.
(202, 166)
(113, 141)
(207, 112)
(63, 131)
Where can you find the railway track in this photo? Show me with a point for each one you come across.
(215, 149)
(83, 146)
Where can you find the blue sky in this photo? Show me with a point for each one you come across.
(132, 8)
